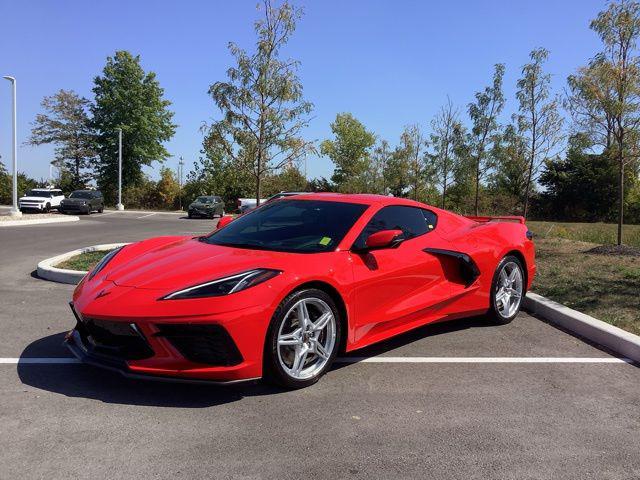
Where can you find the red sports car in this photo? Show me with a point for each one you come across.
(279, 292)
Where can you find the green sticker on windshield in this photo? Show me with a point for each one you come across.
(324, 241)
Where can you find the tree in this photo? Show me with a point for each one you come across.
(289, 179)
(509, 178)
(66, 124)
(128, 98)
(447, 133)
(167, 188)
(565, 182)
(414, 144)
(216, 174)
(538, 118)
(349, 151)
(484, 113)
(619, 29)
(381, 178)
(262, 105)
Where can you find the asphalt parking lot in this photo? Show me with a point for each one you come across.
(459, 400)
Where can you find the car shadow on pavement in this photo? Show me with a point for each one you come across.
(84, 381)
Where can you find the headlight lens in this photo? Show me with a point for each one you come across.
(225, 286)
(103, 263)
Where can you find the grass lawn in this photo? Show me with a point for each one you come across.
(606, 287)
(600, 233)
(83, 262)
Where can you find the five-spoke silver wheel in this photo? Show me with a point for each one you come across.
(306, 338)
(509, 289)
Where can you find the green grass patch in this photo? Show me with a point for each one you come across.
(599, 233)
(84, 261)
(606, 287)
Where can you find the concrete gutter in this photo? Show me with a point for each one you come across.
(624, 343)
(39, 221)
(48, 271)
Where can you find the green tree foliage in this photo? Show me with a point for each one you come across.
(262, 106)
(484, 117)
(380, 176)
(289, 179)
(447, 138)
(127, 97)
(216, 174)
(579, 187)
(65, 123)
(350, 152)
(613, 79)
(508, 180)
(538, 119)
(25, 183)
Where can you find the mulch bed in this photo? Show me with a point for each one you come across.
(615, 250)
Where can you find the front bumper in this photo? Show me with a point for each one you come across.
(31, 205)
(205, 349)
(74, 207)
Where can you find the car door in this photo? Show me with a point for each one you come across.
(397, 287)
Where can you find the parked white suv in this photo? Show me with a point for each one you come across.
(41, 199)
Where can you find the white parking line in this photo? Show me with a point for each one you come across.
(483, 360)
(147, 215)
(69, 360)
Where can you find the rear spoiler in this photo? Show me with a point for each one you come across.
(514, 219)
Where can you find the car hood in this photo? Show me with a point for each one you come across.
(42, 199)
(189, 262)
(200, 205)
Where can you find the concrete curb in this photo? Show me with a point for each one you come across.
(614, 338)
(47, 270)
(39, 221)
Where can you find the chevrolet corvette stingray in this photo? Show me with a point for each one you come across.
(279, 292)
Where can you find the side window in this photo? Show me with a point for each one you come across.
(413, 222)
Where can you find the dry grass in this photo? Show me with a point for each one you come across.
(599, 233)
(83, 262)
(604, 286)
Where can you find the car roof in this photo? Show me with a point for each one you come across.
(362, 198)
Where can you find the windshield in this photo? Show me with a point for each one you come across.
(204, 200)
(39, 193)
(80, 195)
(303, 226)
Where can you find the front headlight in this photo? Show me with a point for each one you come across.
(103, 263)
(225, 286)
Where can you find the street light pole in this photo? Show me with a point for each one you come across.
(120, 206)
(15, 211)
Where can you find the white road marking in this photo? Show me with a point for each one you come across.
(147, 215)
(483, 360)
(70, 360)
(39, 361)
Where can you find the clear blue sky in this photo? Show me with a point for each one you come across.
(390, 63)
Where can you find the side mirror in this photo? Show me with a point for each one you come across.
(384, 239)
(224, 221)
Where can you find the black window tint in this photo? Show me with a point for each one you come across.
(305, 226)
(412, 221)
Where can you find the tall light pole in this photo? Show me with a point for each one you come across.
(51, 174)
(120, 206)
(180, 168)
(15, 211)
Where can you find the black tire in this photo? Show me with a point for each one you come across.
(495, 313)
(273, 371)
(47, 208)
(189, 215)
(101, 209)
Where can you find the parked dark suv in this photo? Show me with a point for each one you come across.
(83, 201)
(206, 206)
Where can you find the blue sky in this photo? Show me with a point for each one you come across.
(390, 63)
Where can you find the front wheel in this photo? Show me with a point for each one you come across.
(507, 290)
(302, 340)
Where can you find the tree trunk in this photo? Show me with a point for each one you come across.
(258, 188)
(621, 198)
(526, 192)
(477, 185)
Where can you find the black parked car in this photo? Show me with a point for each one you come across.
(83, 201)
(206, 206)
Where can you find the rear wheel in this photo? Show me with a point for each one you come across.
(101, 209)
(302, 340)
(507, 290)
